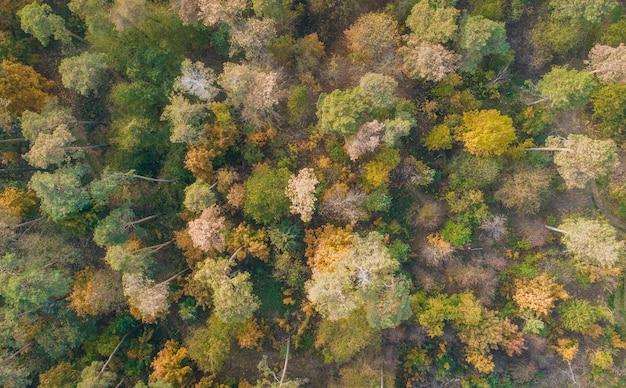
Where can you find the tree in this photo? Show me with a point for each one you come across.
(61, 193)
(432, 24)
(591, 241)
(608, 63)
(96, 292)
(342, 339)
(60, 375)
(169, 364)
(580, 159)
(92, 377)
(609, 108)
(125, 258)
(216, 11)
(147, 300)
(83, 73)
(207, 232)
(254, 90)
(198, 196)
(344, 203)
(575, 11)
(538, 294)
(432, 62)
(23, 87)
(39, 21)
(301, 192)
(266, 201)
(196, 80)
(379, 90)
(253, 38)
(486, 132)
(187, 120)
(525, 188)
(366, 140)
(580, 316)
(53, 148)
(341, 111)
(478, 38)
(114, 228)
(439, 138)
(51, 117)
(373, 39)
(18, 202)
(210, 345)
(566, 89)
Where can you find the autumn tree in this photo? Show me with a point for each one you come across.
(54, 148)
(566, 89)
(343, 338)
(254, 90)
(207, 232)
(609, 107)
(148, 301)
(525, 188)
(209, 345)
(83, 73)
(266, 201)
(301, 192)
(341, 111)
(486, 132)
(169, 364)
(51, 116)
(430, 61)
(196, 80)
(591, 241)
(608, 63)
(343, 203)
(198, 196)
(96, 292)
(253, 38)
(480, 37)
(216, 11)
(92, 376)
(23, 87)
(18, 202)
(61, 193)
(373, 39)
(580, 316)
(538, 294)
(580, 159)
(367, 138)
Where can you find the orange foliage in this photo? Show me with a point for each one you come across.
(169, 365)
(23, 86)
(538, 294)
(326, 245)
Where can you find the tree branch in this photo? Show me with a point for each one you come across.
(112, 354)
(282, 376)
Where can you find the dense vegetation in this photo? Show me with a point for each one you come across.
(324, 193)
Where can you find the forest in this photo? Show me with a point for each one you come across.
(312, 193)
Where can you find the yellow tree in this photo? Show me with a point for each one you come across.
(486, 132)
(169, 365)
(539, 294)
(23, 87)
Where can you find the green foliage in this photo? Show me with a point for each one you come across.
(298, 105)
(209, 345)
(609, 108)
(615, 33)
(266, 201)
(83, 73)
(61, 193)
(566, 89)
(378, 169)
(473, 172)
(579, 315)
(378, 200)
(439, 138)
(480, 37)
(431, 23)
(456, 233)
(341, 111)
(39, 21)
(344, 338)
(111, 230)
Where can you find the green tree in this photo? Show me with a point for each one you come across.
(574, 11)
(51, 117)
(609, 108)
(341, 112)
(39, 21)
(433, 24)
(266, 201)
(579, 315)
(199, 196)
(92, 376)
(480, 37)
(486, 132)
(61, 193)
(342, 339)
(187, 120)
(566, 89)
(83, 73)
(210, 345)
(114, 228)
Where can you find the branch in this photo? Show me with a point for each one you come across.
(547, 149)
(155, 248)
(16, 140)
(10, 20)
(112, 354)
(27, 223)
(174, 277)
(152, 179)
(139, 221)
(538, 101)
(554, 229)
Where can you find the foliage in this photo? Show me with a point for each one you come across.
(486, 132)
(593, 242)
(373, 39)
(525, 188)
(341, 112)
(429, 61)
(207, 231)
(61, 193)
(538, 294)
(301, 192)
(480, 37)
(198, 196)
(579, 315)
(609, 108)
(433, 24)
(39, 21)
(83, 73)
(266, 201)
(168, 366)
(566, 89)
(23, 87)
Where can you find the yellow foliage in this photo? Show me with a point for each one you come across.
(483, 363)
(23, 86)
(251, 335)
(18, 202)
(539, 294)
(169, 366)
(602, 359)
(486, 132)
(326, 245)
(252, 241)
(617, 342)
(567, 348)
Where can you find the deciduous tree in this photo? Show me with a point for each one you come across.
(148, 301)
(430, 61)
(253, 38)
(61, 193)
(373, 39)
(341, 111)
(525, 188)
(433, 24)
(368, 137)
(114, 228)
(207, 232)
(301, 192)
(187, 120)
(609, 63)
(169, 364)
(539, 294)
(486, 132)
(266, 201)
(197, 80)
(83, 73)
(96, 292)
(39, 21)
(23, 87)
(566, 89)
(478, 38)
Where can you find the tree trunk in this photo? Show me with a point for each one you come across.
(27, 223)
(155, 248)
(282, 376)
(538, 101)
(112, 354)
(93, 147)
(547, 149)
(10, 20)
(554, 229)
(139, 221)
(77, 37)
(152, 179)
(174, 276)
(16, 140)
